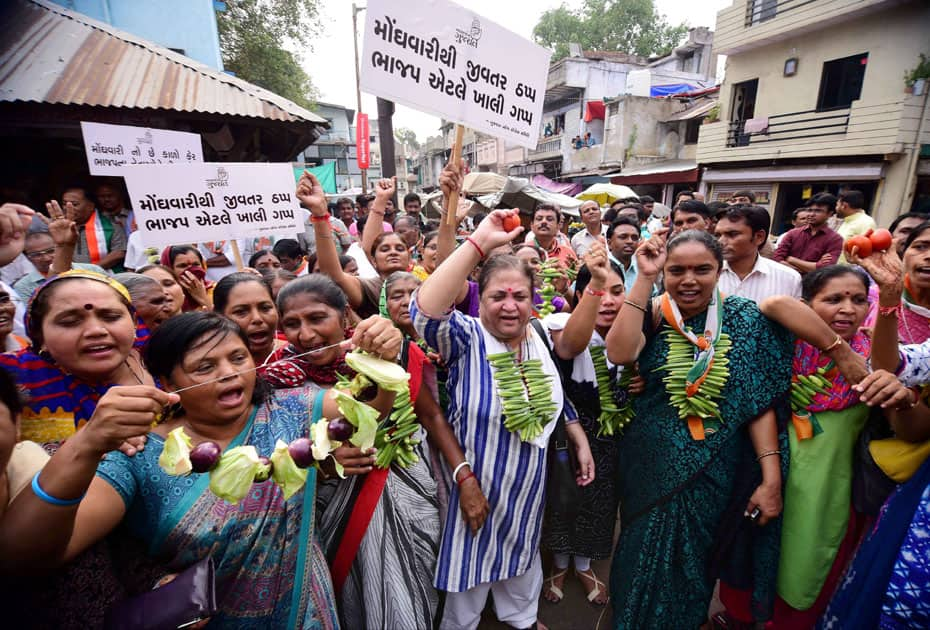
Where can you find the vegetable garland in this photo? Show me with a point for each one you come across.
(526, 394)
(700, 401)
(549, 271)
(803, 389)
(394, 438)
(616, 401)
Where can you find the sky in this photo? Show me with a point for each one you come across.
(331, 62)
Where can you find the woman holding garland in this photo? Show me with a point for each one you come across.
(602, 395)
(706, 423)
(270, 570)
(379, 525)
(491, 362)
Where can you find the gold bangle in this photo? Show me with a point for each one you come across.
(638, 307)
(836, 342)
(768, 454)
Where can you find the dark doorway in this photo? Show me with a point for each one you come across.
(793, 195)
(743, 108)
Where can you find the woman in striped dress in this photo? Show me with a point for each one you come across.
(502, 556)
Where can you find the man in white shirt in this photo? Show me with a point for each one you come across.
(590, 214)
(742, 232)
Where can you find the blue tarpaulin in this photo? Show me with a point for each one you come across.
(669, 90)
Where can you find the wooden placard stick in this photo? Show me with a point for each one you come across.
(456, 160)
(237, 255)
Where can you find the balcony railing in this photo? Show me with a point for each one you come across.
(793, 126)
(549, 145)
(762, 10)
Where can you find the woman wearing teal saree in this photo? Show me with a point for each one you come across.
(270, 570)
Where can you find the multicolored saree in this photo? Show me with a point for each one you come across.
(270, 569)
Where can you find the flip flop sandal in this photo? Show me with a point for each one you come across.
(552, 588)
(596, 591)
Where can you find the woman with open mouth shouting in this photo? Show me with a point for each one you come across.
(82, 327)
(247, 300)
(505, 398)
(270, 571)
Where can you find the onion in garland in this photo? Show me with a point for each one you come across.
(301, 451)
(205, 456)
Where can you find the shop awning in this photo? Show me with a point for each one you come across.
(695, 111)
(665, 172)
(802, 173)
(563, 188)
(594, 110)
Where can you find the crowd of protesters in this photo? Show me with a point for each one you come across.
(743, 415)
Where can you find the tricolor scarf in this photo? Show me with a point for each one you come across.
(97, 235)
(703, 347)
(704, 344)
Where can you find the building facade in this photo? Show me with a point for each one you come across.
(577, 89)
(338, 145)
(187, 27)
(815, 100)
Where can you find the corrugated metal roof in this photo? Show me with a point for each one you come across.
(51, 55)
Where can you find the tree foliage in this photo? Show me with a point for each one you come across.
(408, 137)
(252, 35)
(630, 26)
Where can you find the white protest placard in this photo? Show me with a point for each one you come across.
(442, 58)
(198, 203)
(111, 149)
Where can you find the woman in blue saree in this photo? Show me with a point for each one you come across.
(270, 570)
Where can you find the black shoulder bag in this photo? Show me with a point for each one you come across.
(562, 492)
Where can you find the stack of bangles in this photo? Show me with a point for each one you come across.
(470, 474)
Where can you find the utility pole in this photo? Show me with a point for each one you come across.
(358, 84)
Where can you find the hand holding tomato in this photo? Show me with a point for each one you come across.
(860, 245)
(511, 222)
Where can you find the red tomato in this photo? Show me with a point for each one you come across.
(862, 242)
(881, 239)
(511, 222)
